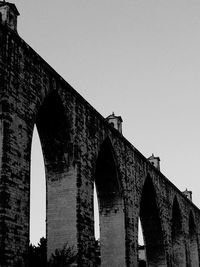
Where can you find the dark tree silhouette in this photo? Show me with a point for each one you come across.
(142, 263)
(63, 257)
(38, 254)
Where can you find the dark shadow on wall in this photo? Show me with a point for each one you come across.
(193, 243)
(178, 244)
(53, 131)
(111, 208)
(151, 226)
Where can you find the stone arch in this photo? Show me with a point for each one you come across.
(178, 242)
(53, 130)
(111, 207)
(151, 226)
(193, 243)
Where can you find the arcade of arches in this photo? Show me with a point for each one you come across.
(80, 148)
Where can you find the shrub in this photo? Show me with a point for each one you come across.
(63, 257)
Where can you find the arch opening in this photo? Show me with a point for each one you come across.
(141, 246)
(111, 208)
(96, 228)
(37, 192)
(53, 129)
(193, 245)
(151, 227)
(178, 245)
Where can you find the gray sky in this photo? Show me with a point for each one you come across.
(138, 58)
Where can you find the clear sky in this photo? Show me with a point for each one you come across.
(138, 58)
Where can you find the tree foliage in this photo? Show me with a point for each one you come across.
(37, 256)
(63, 257)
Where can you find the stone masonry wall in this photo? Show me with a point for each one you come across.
(74, 137)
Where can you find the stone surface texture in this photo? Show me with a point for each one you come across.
(80, 148)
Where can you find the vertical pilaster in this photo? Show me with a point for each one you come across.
(61, 209)
(14, 189)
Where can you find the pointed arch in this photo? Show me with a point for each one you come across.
(106, 170)
(178, 244)
(111, 207)
(193, 244)
(54, 132)
(37, 191)
(151, 226)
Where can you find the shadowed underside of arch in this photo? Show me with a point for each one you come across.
(151, 226)
(178, 245)
(193, 244)
(53, 130)
(111, 208)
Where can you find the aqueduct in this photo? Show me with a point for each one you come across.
(81, 148)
